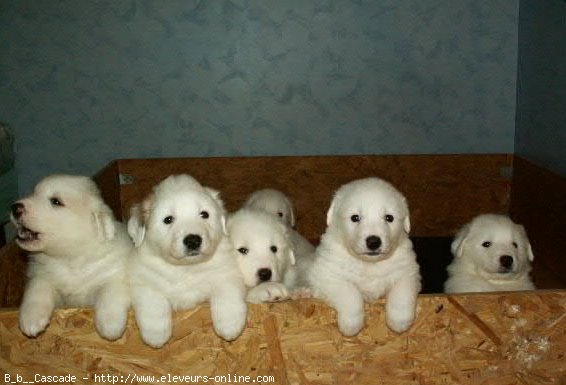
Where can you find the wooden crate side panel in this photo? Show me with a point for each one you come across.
(537, 202)
(107, 181)
(12, 275)
(510, 338)
(443, 191)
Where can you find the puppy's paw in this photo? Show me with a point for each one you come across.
(303, 292)
(110, 323)
(350, 325)
(156, 335)
(34, 319)
(399, 321)
(267, 292)
(230, 326)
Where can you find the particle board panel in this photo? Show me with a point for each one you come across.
(443, 191)
(498, 338)
(537, 202)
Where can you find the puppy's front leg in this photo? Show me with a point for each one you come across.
(348, 302)
(401, 303)
(37, 306)
(111, 310)
(228, 310)
(153, 315)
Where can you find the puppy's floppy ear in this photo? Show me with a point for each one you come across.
(530, 252)
(137, 222)
(215, 195)
(292, 257)
(289, 241)
(250, 202)
(290, 211)
(523, 233)
(407, 224)
(407, 220)
(103, 219)
(292, 217)
(330, 212)
(223, 222)
(457, 246)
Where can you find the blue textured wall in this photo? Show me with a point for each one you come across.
(85, 82)
(541, 107)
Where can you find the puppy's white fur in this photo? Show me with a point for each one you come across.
(167, 272)
(279, 205)
(78, 255)
(477, 250)
(346, 271)
(263, 245)
(274, 202)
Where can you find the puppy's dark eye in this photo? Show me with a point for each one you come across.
(389, 218)
(204, 214)
(355, 218)
(56, 202)
(280, 214)
(273, 248)
(168, 220)
(243, 250)
(515, 245)
(486, 244)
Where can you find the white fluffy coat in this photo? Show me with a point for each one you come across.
(166, 275)
(346, 273)
(77, 255)
(477, 267)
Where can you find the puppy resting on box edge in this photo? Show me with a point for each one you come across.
(78, 254)
(265, 255)
(366, 254)
(279, 205)
(491, 253)
(183, 258)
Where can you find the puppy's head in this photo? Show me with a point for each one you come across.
(181, 221)
(63, 215)
(496, 247)
(274, 202)
(369, 217)
(263, 246)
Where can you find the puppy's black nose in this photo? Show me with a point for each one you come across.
(264, 274)
(506, 261)
(192, 241)
(373, 242)
(17, 210)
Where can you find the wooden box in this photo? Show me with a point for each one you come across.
(491, 338)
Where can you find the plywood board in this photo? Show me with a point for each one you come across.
(538, 202)
(444, 191)
(498, 339)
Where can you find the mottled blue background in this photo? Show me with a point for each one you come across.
(85, 82)
(541, 103)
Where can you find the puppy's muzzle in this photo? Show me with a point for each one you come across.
(373, 243)
(264, 274)
(17, 210)
(192, 242)
(506, 263)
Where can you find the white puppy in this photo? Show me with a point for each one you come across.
(366, 254)
(182, 258)
(265, 255)
(78, 254)
(491, 253)
(274, 202)
(278, 204)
